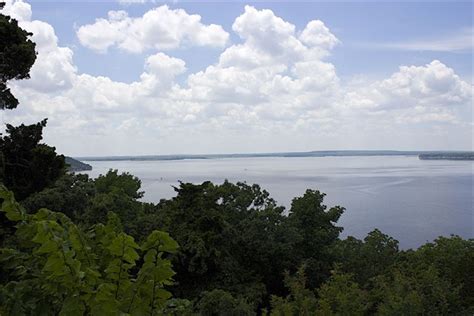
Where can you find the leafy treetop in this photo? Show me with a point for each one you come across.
(26, 165)
(17, 55)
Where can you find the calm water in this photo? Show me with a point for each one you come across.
(412, 200)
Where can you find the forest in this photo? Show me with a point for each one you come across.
(72, 245)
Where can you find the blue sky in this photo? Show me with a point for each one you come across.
(196, 108)
(356, 24)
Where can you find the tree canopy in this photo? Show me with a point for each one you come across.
(26, 165)
(242, 254)
(54, 267)
(17, 56)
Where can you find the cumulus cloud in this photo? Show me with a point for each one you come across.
(54, 69)
(272, 75)
(275, 40)
(161, 28)
(277, 81)
(163, 64)
(430, 86)
(19, 10)
(317, 34)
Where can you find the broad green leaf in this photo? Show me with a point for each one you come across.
(13, 210)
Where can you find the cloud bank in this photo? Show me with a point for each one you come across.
(272, 90)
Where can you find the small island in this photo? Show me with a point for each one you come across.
(74, 165)
(465, 155)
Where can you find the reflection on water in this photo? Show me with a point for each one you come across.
(412, 200)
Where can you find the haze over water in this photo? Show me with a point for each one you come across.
(409, 199)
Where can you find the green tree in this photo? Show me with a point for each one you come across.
(202, 218)
(369, 258)
(26, 165)
(125, 183)
(87, 201)
(340, 295)
(71, 194)
(234, 237)
(118, 192)
(313, 232)
(219, 302)
(416, 290)
(228, 237)
(301, 301)
(17, 55)
(56, 268)
(453, 258)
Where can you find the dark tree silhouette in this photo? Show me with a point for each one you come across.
(17, 55)
(26, 165)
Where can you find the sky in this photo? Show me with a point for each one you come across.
(187, 77)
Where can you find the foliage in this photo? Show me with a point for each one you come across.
(416, 291)
(87, 201)
(71, 194)
(300, 301)
(56, 268)
(454, 259)
(237, 243)
(426, 281)
(236, 246)
(219, 302)
(366, 259)
(124, 183)
(340, 295)
(234, 237)
(26, 165)
(17, 55)
(314, 232)
(178, 307)
(118, 192)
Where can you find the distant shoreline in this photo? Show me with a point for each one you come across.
(448, 156)
(74, 165)
(423, 155)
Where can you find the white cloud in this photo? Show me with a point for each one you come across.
(430, 94)
(160, 73)
(17, 9)
(317, 34)
(161, 28)
(272, 75)
(433, 85)
(276, 87)
(54, 69)
(273, 38)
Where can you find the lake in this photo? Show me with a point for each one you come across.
(409, 199)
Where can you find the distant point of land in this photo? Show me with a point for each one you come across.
(468, 155)
(74, 165)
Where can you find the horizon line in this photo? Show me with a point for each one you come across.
(374, 151)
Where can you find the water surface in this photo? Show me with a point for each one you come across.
(410, 199)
